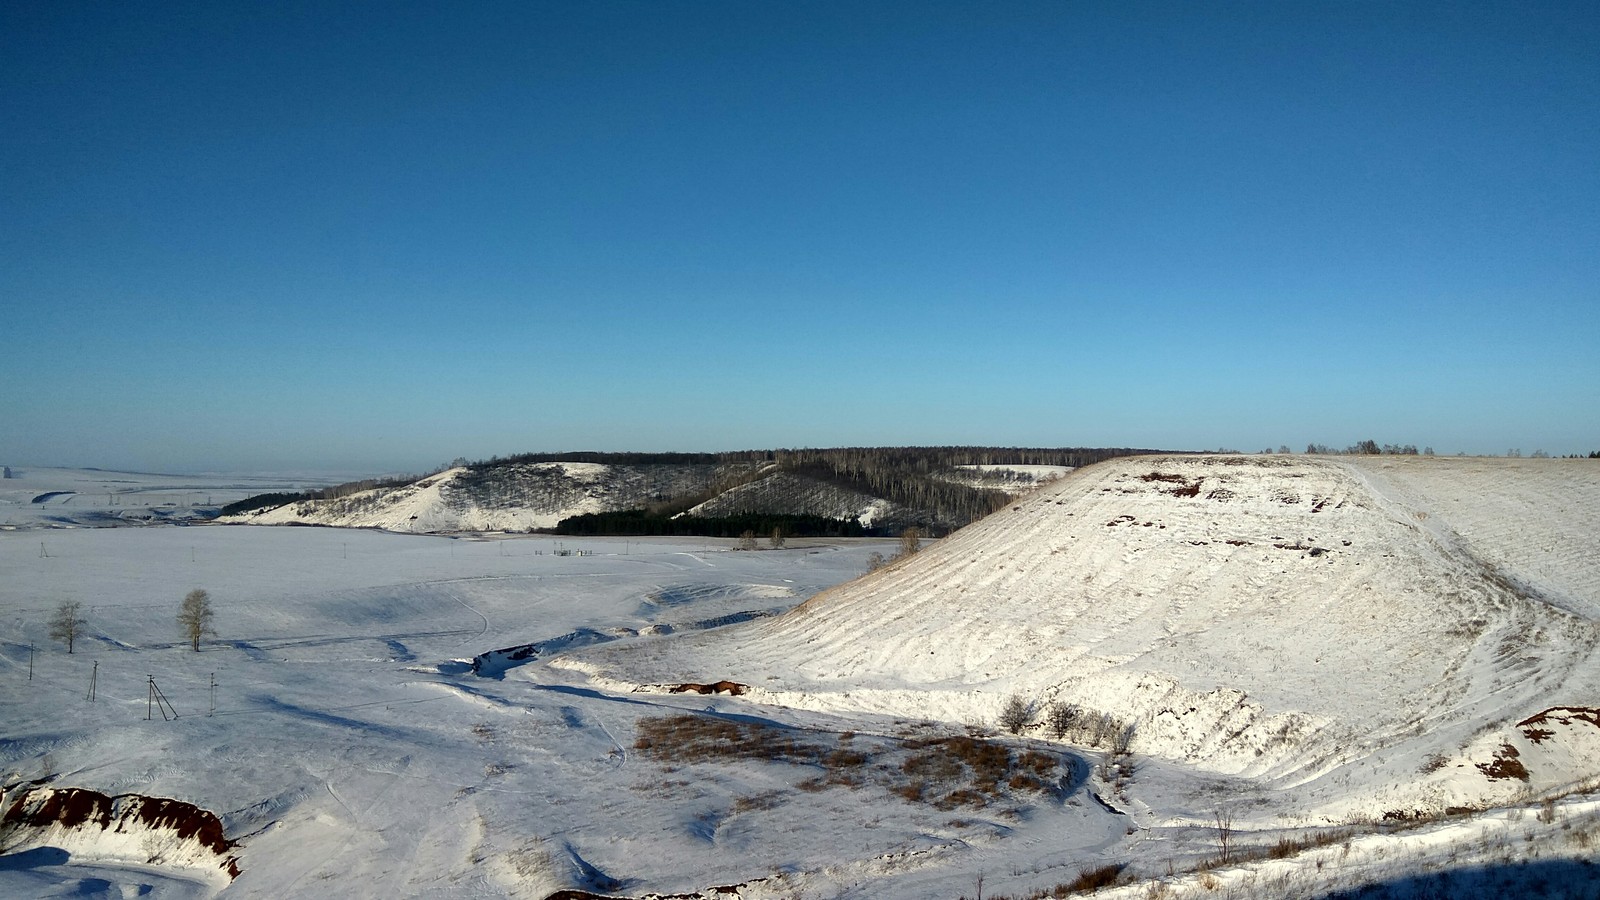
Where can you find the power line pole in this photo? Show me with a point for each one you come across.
(158, 700)
(213, 695)
(94, 676)
(30, 660)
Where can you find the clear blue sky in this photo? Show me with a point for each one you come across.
(274, 235)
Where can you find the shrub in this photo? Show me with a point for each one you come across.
(1016, 714)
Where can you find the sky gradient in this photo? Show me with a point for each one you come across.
(272, 236)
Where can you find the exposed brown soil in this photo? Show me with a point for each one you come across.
(79, 807)
(1564, 715)
(1506, 765)
(1185, 487)
(721, 687)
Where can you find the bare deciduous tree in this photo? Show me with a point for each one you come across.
(66, 625)
(778, 539)
(875, 562)
(1058, 717)
(194, 617)
(747, 541)
(1224, 823)
(1016, 714)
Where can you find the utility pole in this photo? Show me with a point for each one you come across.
(94, 676)
(30, 660)
(158, 700)
(213, 695)
(42, 553)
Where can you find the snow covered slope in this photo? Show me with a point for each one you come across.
(792, 494)
(1252, 615)
(513, 497)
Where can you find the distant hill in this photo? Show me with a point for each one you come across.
(886, 489)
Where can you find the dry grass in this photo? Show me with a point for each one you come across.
(945, 771)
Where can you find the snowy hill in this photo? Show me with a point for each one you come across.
(1273, 617)
(514, 497)
(885, 488)
(792, 494)
(546, 717)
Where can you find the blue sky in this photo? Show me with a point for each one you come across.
(278, 235)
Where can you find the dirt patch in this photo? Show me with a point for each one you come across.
(1309, 549)
(1506, 765)
(732, 688)
(1184, 487)
(943, 771)
(1536, 728)
(1564, 715)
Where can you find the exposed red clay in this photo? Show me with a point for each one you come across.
(79, 807)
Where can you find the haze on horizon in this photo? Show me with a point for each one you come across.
(380, 237)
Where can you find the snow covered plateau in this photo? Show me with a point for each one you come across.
(1245, 676)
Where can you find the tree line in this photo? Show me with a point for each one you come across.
(925, 479)
(641, 522)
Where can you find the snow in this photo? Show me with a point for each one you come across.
(1314, 685)
(512, 497)
(36, 497)
(787, 492)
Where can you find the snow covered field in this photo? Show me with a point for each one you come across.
(35, 497)
(1328, 654)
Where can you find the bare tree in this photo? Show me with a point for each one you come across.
(1016, 714)
(778, 539)
(194, 617)
(66, 625)
(1058, 717)
(747, 541)
(875, 561)
(1224, 823)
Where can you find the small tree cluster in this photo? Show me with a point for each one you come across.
(1088, 728)
(1367, 448)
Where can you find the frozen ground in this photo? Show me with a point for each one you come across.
(35, 497)
(353, 752)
